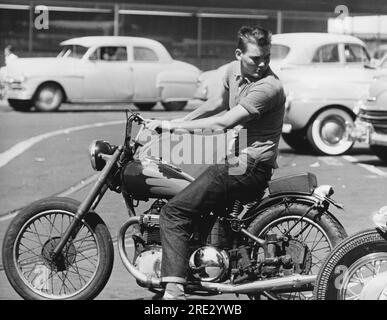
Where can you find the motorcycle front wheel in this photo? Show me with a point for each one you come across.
(316, 233)
(351, 265)
(81, 270)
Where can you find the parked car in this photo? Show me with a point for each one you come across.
(381, 52)
(102, 69)
(323, 75)
(3, 73)
(371, 121)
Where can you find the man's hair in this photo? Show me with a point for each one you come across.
(255, 35)
(9, 47)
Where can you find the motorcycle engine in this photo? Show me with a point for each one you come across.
(147, 256)
(149, 261)
(207, 263)
(151, 231)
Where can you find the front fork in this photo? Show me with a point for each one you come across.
(95, 193)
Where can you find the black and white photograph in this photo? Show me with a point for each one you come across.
(213, 152)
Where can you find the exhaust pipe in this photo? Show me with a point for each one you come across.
(290, 283)
(143, 279)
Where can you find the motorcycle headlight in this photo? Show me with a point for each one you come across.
(97, 149)
(380, 219)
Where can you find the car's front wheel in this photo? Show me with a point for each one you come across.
(380, 151)
(48, 97)
(326, 132)
(20, 105)
(145, 106)
(174, 105)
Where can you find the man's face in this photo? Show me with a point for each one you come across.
(254, 61)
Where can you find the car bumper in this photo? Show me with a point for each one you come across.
(19, 93)
(362, 131)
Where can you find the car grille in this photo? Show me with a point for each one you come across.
(377, 118)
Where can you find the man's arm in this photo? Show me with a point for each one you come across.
(212, 106)
(227, 120)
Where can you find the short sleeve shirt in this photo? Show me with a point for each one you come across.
(264, 99)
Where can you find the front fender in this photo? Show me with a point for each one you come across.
(300, 112)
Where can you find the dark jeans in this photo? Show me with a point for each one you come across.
(211, 191)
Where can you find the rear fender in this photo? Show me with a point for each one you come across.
(321, 203)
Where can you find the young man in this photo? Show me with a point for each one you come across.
(254, 98)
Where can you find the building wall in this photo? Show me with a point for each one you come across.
(198, 32)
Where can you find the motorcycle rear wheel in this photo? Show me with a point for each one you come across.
(349, 267)
(319, 232)
(84, 266)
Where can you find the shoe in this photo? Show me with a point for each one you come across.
(174, 291)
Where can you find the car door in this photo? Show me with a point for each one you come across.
(319, 74)
(355, 72)
(109, 75)
(146, 65)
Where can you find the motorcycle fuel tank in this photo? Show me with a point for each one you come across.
(152, 178)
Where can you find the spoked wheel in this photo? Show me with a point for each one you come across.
(310, 240)
(357, 265)
(80, 271)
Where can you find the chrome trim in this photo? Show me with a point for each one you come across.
(92, 154)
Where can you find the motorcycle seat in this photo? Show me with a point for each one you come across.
(300, 183)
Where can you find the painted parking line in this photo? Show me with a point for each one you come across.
(368, 167)
(74, 188)
(22, 146)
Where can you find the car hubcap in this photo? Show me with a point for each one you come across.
(332, 130)
(49, 98)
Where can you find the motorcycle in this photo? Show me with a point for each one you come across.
(59, 248)
(357, 268)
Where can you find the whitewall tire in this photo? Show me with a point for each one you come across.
(326, 132)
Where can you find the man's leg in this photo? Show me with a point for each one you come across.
(211, 189)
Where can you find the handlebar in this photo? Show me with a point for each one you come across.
(141, 121)
(135, 116)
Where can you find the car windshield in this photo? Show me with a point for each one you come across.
(279, 51)
(72, 51)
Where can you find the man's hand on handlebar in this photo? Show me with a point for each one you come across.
(157, 125)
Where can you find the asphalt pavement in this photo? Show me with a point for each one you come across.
(46, 154)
